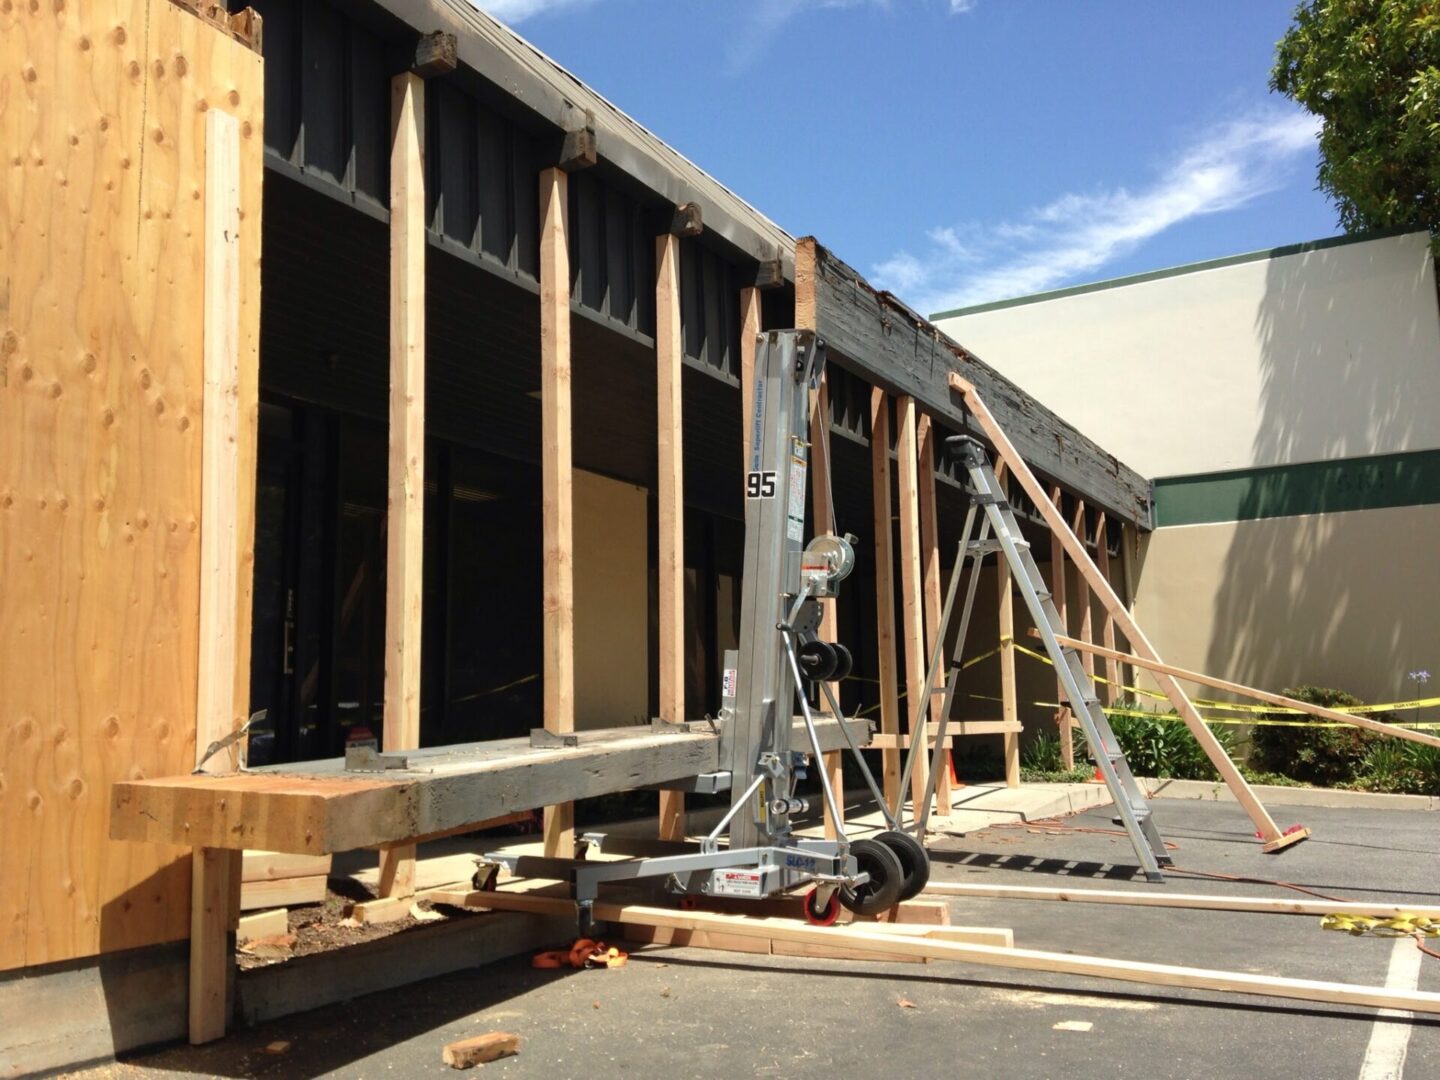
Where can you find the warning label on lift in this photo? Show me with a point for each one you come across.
(736, 883)
(795, 508)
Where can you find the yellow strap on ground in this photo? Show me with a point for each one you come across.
(1401, 925)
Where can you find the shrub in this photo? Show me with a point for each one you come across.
(1405, 768)
(1041, 761)
(1160, 745)
(1327, 756)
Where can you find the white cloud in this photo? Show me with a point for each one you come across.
(764, 19)
(962, 7)
(514, 11)
(1228, 166)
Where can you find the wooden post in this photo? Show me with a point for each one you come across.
(405, 519)
(669, 353)
(1274, 839)
(1107, 625)
(885, 592)
(557, 507)
(1057, 594)
(215, 873)
(912, 590)
(214, 913)
(930, 573)
(824, 513)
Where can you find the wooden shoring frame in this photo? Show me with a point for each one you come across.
(670, 496)
(1271, 835)
(1107, 625)
(405, 516)
(1156, 667)
(885, 592)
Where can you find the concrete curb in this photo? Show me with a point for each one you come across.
(1216, 791)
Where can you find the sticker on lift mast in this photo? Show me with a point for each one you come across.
(736, 883)
(727, 684)
(795, 510)
(760, 485)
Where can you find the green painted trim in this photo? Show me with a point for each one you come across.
(1176, 271)
(1319, 487)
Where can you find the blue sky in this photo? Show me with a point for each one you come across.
(958, 151)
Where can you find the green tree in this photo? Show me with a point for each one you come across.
(1370, 69)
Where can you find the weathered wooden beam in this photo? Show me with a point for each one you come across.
(770, 274)
(577, 151)
(318, 807)
(878, 338)
(687, 220)
(557, 484)
(435, 54)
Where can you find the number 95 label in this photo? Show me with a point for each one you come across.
(760, 485)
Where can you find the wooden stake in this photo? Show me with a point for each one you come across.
(1057, 594)
(480, 1049)
(930, 571)
(669, 354)
(405, 519)
(1280, 700)
(824, 513)
(557, 486)
(1270, 833)
(885, 590)
(911, 587)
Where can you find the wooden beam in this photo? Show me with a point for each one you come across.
(870, 940)
(930, 573)
(215, 715)
(1057, 594)
(887, 345)
(1280, 700)
(214, 881)
(823, 511)
(885, 591)
(316, 807)
(1082, 590)
(405, 520)
(577, 151)
(1107, 625)
(688, 220)
(1270, 833)
(670, 495)
(907, 454)
(1202, 901)
(557, 494)
(263, 924)
(435, 54)
(283, 892)
(769, 273)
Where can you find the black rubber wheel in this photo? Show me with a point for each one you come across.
(914, 861)
(882, 891)
(845, 663)
(825, 916)
(817, 660)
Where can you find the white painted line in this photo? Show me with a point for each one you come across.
(1073, 1025)
(1390, 1039)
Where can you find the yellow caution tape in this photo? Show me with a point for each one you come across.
(1402, 925)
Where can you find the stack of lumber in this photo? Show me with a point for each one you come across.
(271, 879)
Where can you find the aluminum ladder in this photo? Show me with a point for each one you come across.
(1132, 809)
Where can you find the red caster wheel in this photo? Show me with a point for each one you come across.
(817, 916)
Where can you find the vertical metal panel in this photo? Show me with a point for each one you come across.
(710, 284)
(642, 258)
(325, 96)
(692, 302)
(369, 115)
(587, 231)
(282, 65)
(527, 204)
(497, 225)
(455, 172)
(619, 267)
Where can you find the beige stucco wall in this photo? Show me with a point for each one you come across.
(1339, 600)
(612, 675)
(1306, 357)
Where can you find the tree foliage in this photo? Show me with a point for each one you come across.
(1370, 69)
